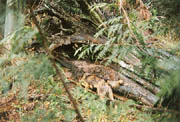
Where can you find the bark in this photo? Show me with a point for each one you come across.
(129, 87)
(2, 18)
(11, 18)
(14, 19)
(131, 75)
(135, 86)
(137, 92)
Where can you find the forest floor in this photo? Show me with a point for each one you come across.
(90, 82)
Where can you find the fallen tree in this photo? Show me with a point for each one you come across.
(134, 85)
(128, 86)
(72, 32)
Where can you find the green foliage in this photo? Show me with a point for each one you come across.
(121, 39)
(52, 108)
(70, 7)
(40, 114)
(125, 34)
(20, 39)
(167, 7)
(169, 11)
(171, 82)
(91, 107)
(96, 109)
(24, 70)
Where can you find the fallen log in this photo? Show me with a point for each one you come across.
(161, 56)
(129, 87)
(132, 60)
(137, 92)
(146, 84)
(140, 88)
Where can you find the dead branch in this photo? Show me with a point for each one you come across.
(52, 58)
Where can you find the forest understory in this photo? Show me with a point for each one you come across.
(77, 61)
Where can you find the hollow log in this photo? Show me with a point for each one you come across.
(129, 87)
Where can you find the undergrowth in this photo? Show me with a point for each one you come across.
(23, 71)
(128, 31)
(124, 33)
(54, 105)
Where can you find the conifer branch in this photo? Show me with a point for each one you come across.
(52, 59)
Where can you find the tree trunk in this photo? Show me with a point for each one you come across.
(2, 17)
(11, 18)
(14, 19)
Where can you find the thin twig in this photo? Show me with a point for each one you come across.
(52, 58)
(157, 109)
